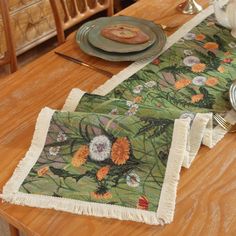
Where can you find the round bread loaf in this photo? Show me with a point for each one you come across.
(125, 34)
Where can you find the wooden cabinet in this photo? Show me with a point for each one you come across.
(32, 23)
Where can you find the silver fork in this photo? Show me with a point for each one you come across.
(224, 124)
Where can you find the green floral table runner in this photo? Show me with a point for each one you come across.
(119, 155)
(193, 75)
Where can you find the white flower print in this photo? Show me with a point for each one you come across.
(210, 23)
(232, 44)
(199, 80)
(100, 148)
(189, 36)
(181, 41)
(191, 60)
(150, 84)
(133, 109)
(114, 111)
(186, 115)
(53, 151)
(133, 180)
(138, 89)
(188, 52)
(129, 103)
(61, 137)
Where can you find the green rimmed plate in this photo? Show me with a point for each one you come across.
(98, 41)
(88, 48)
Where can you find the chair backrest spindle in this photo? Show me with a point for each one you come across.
(86, 5)
(77, 12)
(69, 21)
(67, 13)
(10, 55)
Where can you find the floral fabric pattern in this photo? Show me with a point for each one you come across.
(114, 148)
(193, 75)
(102, 158)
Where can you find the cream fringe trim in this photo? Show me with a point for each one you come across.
(73, 99)
(70, 104)
(37, 144)
(212, 137)
(175, 159)
(166, 205)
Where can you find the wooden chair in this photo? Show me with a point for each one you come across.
(68, 13)
(10, 54)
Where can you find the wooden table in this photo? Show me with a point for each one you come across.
(206, 202)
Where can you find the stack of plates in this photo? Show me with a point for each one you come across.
(93, 43)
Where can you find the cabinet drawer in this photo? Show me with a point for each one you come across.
(17, 5)
(32, 22)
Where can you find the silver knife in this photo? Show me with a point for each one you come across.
(104, 72)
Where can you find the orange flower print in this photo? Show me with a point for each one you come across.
(211, 81)
(221, 69)
(142, 203)
(200, 37)
(100, 196)
(227, 60)
(182, 83)
(133, 109)
(137, 99)
(227, 53)
(102, 172)
(197, 68)
(156, 61)
(80, 156)
(43, 171)
(197, 98)
(120, 151)
(211, 46)
(210, 23)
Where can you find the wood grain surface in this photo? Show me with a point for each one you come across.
(206, 201)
